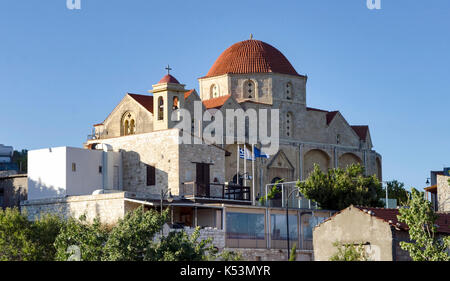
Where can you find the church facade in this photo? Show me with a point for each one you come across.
(249, 74)
(139, 158)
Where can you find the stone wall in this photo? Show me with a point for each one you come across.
(271, 254)
(15, 189)
(400, 254)
(443, 193)
(217, 235)
(158, 149)
(248, 254)
(112, 124)
(352, 226)
(109, 208)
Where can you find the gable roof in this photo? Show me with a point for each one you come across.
(390, 216)
(280, 155)
(361, 131)
(188, 93)
(216, 102)
(329, 114)
(144, 100)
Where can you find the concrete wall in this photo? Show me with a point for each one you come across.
(68, 171)
(353, 226)
(13, 189)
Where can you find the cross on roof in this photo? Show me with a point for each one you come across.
(168, 69)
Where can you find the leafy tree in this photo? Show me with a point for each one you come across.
(15, 236)
(420, 218)
(397, 191)
(349, 252)
(229, 256)
(272, 192)
(132, 238)
(293, 254)
(21, 159)
(341, 188)
(24, 240)
(89, 238)
(178, 246)
(45, 231)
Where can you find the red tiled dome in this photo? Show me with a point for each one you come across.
(251, 56)
(168, 79)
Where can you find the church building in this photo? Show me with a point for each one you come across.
(209, 184)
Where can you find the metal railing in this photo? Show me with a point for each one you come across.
(280, 200)
(266, 241)
(216, 191)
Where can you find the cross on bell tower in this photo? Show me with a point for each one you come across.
(168, 69)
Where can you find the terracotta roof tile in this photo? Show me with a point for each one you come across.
(330, 116)
(387, 215)
(216, 102)
(188, 93)
(251, 56)
(144, 100)
(168, 79)
(361, 131)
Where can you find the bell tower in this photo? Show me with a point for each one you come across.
(168, 96)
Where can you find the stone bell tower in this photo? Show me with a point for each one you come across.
(168, 96)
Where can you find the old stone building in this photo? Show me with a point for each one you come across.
(250, 74)
(377, 229)
(208, 183)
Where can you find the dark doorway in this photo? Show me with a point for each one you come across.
(202, 179)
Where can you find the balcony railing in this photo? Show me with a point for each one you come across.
(216, 191)
(267, 240)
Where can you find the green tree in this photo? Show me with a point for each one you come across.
(21, 159)
(341, 188)
(229, 256)
(90, 238)
(15, 236)
(396, 190)
(24, 240)
(349, 252)
(420, 218)
(132, 238)
(45, 231)
(178, 246)
(293, 253)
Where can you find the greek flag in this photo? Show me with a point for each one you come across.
(260, 154)
(246, 153)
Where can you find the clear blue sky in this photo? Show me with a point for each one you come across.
(63, 70)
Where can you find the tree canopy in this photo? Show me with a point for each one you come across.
(420, 217)
(340, 188)
(132, 239)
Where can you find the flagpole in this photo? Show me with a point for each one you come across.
(237, 160)
(245, 165)
(253, 174)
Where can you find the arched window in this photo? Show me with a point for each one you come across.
(126, 128)
(132, 127)
(249, 89)
(128, 124)
(160, 108)
(214, 91)
(289, 124)
(175, 103)
(289, 91)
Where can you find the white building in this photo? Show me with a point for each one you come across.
(68, 171)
